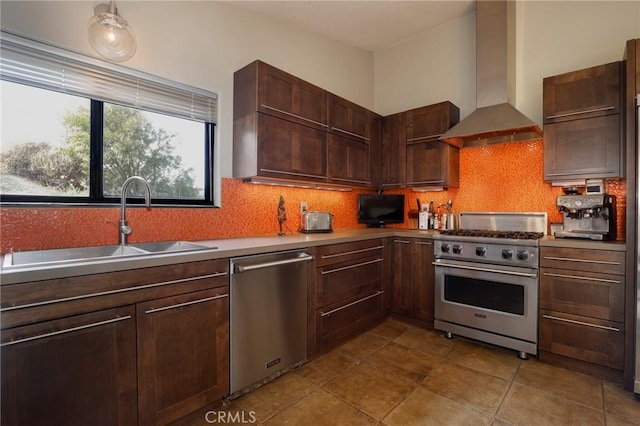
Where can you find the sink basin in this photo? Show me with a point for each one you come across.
(169, 246)
(24, 259)
(66, 255)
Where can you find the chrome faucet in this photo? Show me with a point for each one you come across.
(125, 229)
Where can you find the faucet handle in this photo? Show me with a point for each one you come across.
(125, 229)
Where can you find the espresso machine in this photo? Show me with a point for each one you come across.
(590, 216)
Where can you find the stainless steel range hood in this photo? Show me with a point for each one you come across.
(495, 120)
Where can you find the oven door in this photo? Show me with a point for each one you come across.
(502, 300)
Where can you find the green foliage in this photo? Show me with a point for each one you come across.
(131, 146)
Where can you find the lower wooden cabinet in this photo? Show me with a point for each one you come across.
(183, 354)
(348, 291)
(79, 370)
(145, 346)
(412, 282)
(581, 319)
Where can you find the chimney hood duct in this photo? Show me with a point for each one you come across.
(495, 120)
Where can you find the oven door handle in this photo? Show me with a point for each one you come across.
(495, 271)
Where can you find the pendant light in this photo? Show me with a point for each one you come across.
(110, 34)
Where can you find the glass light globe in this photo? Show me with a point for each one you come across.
(111, 36)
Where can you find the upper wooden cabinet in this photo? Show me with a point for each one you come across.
(412, 155)
(349, 119)
(261, 87)
(591, 92)
(349, 161)
(582, 132)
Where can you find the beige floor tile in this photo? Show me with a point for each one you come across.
(320, 408)
(267, 400)
(426, 341)
(325, 368)
(390, 329)
(529, 406)
(404, 362)
(369, 389)
(577, 387)
(423, 407)
(362, 346)
(495, 361)
(613, 420)
(461, 384)
(621, 403)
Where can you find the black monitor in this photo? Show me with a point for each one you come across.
(377, 210)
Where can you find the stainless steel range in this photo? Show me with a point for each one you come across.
(486, 285)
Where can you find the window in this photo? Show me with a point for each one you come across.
(75, 128)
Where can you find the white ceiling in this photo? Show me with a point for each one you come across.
(370, 25)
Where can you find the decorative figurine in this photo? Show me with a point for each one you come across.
(282, 215)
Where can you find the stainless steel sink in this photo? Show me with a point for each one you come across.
(169, 246)
(25, 259)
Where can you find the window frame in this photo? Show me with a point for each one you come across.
(203, 110)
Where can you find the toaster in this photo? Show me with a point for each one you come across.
(316, 222)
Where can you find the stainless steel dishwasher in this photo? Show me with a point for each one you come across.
(268, 296)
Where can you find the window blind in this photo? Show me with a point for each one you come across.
(38, 64)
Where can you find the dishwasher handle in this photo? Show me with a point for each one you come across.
(304, 257)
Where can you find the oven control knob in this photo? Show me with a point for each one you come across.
(522, 255)
(445, 248)
(457, 249)
(507, 254)
(481, 251)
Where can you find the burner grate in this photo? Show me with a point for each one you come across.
(513, 235)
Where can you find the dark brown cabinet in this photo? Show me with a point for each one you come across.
(582, 132)
(349, 291)
(289, 130)
(581, 323)
(142, 346)
(183, 354)
(412, 280)
(79, 370)
(393, 154)
(421, 160)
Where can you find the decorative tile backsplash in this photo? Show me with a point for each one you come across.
(504, 177)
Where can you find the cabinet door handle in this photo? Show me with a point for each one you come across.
(424, 137)
(345, 253)
(426, 182)
(392, 184)
(576, 277)
(344, 268)
(366, 182)
(569, 259)
(402, 241)
(120, 290)
(586, 111)
(66, 330)
(376, 294)
(179, 305)
(421, 243)
(290, 114)
(282, 172)
(355, 135)
(603, 327)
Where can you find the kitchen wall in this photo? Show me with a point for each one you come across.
(211, 40)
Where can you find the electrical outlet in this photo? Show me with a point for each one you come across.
(303, 207)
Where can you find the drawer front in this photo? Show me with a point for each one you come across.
(582, 293)
(339, 253)
(341, 281)
(600, 261)
(595, 341)
(336, 323)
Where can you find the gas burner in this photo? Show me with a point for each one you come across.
(512, 235)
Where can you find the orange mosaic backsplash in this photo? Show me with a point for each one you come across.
(494, 178)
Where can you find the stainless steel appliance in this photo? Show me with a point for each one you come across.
(486, 279)
(636, 387)
(590, 216)
(268, 296)
(316, 222)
